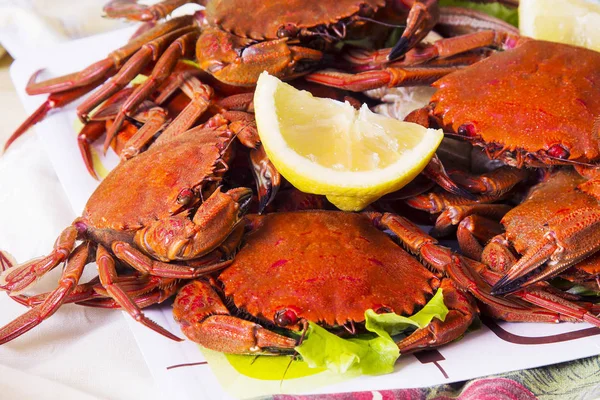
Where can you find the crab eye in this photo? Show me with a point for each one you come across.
(558, 151)
(382, 309)
(185, 197)
(287, 30)
(467, 130)
(286, 317)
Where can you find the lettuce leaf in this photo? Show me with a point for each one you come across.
(371, 354)
(510, 15)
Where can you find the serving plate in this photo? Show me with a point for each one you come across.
(186, 372)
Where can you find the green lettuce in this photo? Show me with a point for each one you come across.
(510, 15)
(370, 354)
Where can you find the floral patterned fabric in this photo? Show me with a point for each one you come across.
(579, 379)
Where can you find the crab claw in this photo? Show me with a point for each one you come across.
(570, 239)
(423, 15)
(266, 176)
(435, 171)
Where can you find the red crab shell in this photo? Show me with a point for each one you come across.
(533, 97)
(138, 193)
(327, 267)
(298, 13)
(527, 223)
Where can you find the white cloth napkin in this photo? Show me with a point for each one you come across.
(79, 352)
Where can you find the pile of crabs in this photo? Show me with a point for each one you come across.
(247, 257)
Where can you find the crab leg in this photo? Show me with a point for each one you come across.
(460, 270)
(462, 311)
(454, 215)
(180, 47)
(107, 67)
(266, 176)
(390, 77)
(110, 108)
(68, 281)
(494, 183)
(68, 88)
(441, 49)
(461, 20)
(130, 10)
(81, 292)
(155, 118)
(179, 238)
(474, 230)
(200, 97)
(148, 52)
(570, 238)
(20, 277)
(141, 288)
(54, 101)
(434, 202)
(422, 17)
(545, 296)
(142, 300)
(108, 278)
(90, 132)
(181, 74)
(435, 171)
(205, 319)
(138, 260)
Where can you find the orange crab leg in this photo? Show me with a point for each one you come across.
(545, 296)
(474, 230)
(54, 101)
(435, 171)
(108, 277)
(179, 238)
(141, 262)
(461, 271)
(205, 319)
(130, 10)
(88, 135)
(266, 176)
(390, 77)
(441, 49)
(570, 238)
(462, 311)
(55, 299)
(181, 74)
(19, 277)
(141, 300)
(107, 67)
(155, 118)
(422, 17)
(200, 97)
(148, 52)
(460, 20)
(494, 183)
(180, 47)
(454, 215)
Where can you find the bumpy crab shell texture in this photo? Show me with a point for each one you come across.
(328, 267)
(532, 97)
(145, 188)
(271, 15)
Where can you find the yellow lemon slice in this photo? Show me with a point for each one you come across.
(566, 21)
(323, 146)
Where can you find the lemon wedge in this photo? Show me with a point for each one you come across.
(566, 21)
(323, 146)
